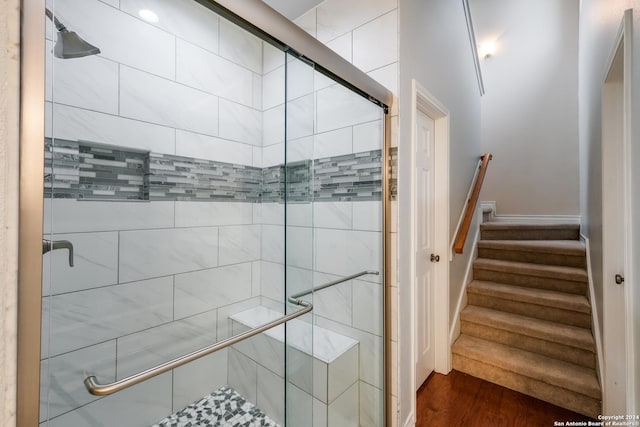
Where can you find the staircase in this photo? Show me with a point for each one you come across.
(527, 325)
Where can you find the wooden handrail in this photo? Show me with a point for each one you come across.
(461, 238)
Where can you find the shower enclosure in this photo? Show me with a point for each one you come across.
(203, 177)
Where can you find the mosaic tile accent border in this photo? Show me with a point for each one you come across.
(393, 173)
(350, 177)
(182, 178)
(93, 171)
(224, 407)
(89, 171)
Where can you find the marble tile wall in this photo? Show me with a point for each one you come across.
(152, 279)
(365, 33)
(210, 260)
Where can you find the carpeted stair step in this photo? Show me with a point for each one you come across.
(557, 278)
(564, 342)
(554, 381)
(569, 309)
(514, 231)
(570, 253)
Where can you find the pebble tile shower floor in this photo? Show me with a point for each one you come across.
(224, 407)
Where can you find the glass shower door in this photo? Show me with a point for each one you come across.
(198, 178)
(334, 251)
(154, 178)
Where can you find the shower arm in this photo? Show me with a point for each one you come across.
(97, 389)
(59, 25)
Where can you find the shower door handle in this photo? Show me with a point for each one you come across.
(51, 245)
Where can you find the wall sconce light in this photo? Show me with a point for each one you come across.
(487, 49)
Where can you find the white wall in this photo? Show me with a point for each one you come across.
(599, 24)
(530, 108)
(435, 50)
(9, 143)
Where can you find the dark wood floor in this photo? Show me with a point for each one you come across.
(459, 399)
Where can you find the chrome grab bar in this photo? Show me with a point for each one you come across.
(97, 389)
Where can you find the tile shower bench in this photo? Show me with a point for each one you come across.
(321, 363)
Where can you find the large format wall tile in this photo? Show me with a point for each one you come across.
(335, 18)
(299, 79)
(239, 243)
(95, 262)
(90, 82)
(200, 291)
(299, 246)
(300, 117)
(155, 253)
(343, 252)
(206, 147)
(206, 71)
(272, 280)
(141, 405)
(367, 215)
(120, 36)
(61, 385)
(371, 405)
(69, 216)
(199, 378)
(240, 46)
(333, 143)
(338, 107)
(198, 214)
(270, 394)
(73, 123)
(146, 349)
(243, 374)
(273, 124)
(375, 44)
(368, 136)
(335, 302)
(273, 243)
(333, 214)
(84, 318)
(367, 307)
(153, 99)
(240, 123)
(186, 19)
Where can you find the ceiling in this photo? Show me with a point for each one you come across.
(292, 8)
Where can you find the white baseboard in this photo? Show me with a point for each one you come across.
(454, 329)
(529, 219)
(594, 312)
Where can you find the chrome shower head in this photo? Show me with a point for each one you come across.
(69, 43)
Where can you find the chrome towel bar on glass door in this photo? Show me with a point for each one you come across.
(293, 299)
(97, 389)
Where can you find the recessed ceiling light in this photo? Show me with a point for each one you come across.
(148, 15)
(487, 49)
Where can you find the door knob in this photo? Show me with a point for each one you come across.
(435, 258)
(619, 279)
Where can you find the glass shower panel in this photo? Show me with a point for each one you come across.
(335, 246)
(157, 174)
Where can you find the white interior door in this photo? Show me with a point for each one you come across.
(615, 203)
(425, 212)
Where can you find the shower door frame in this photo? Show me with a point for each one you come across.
(256, 17)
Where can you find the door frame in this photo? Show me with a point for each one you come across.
(32, 124)
(424, 102)
(616, 110)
